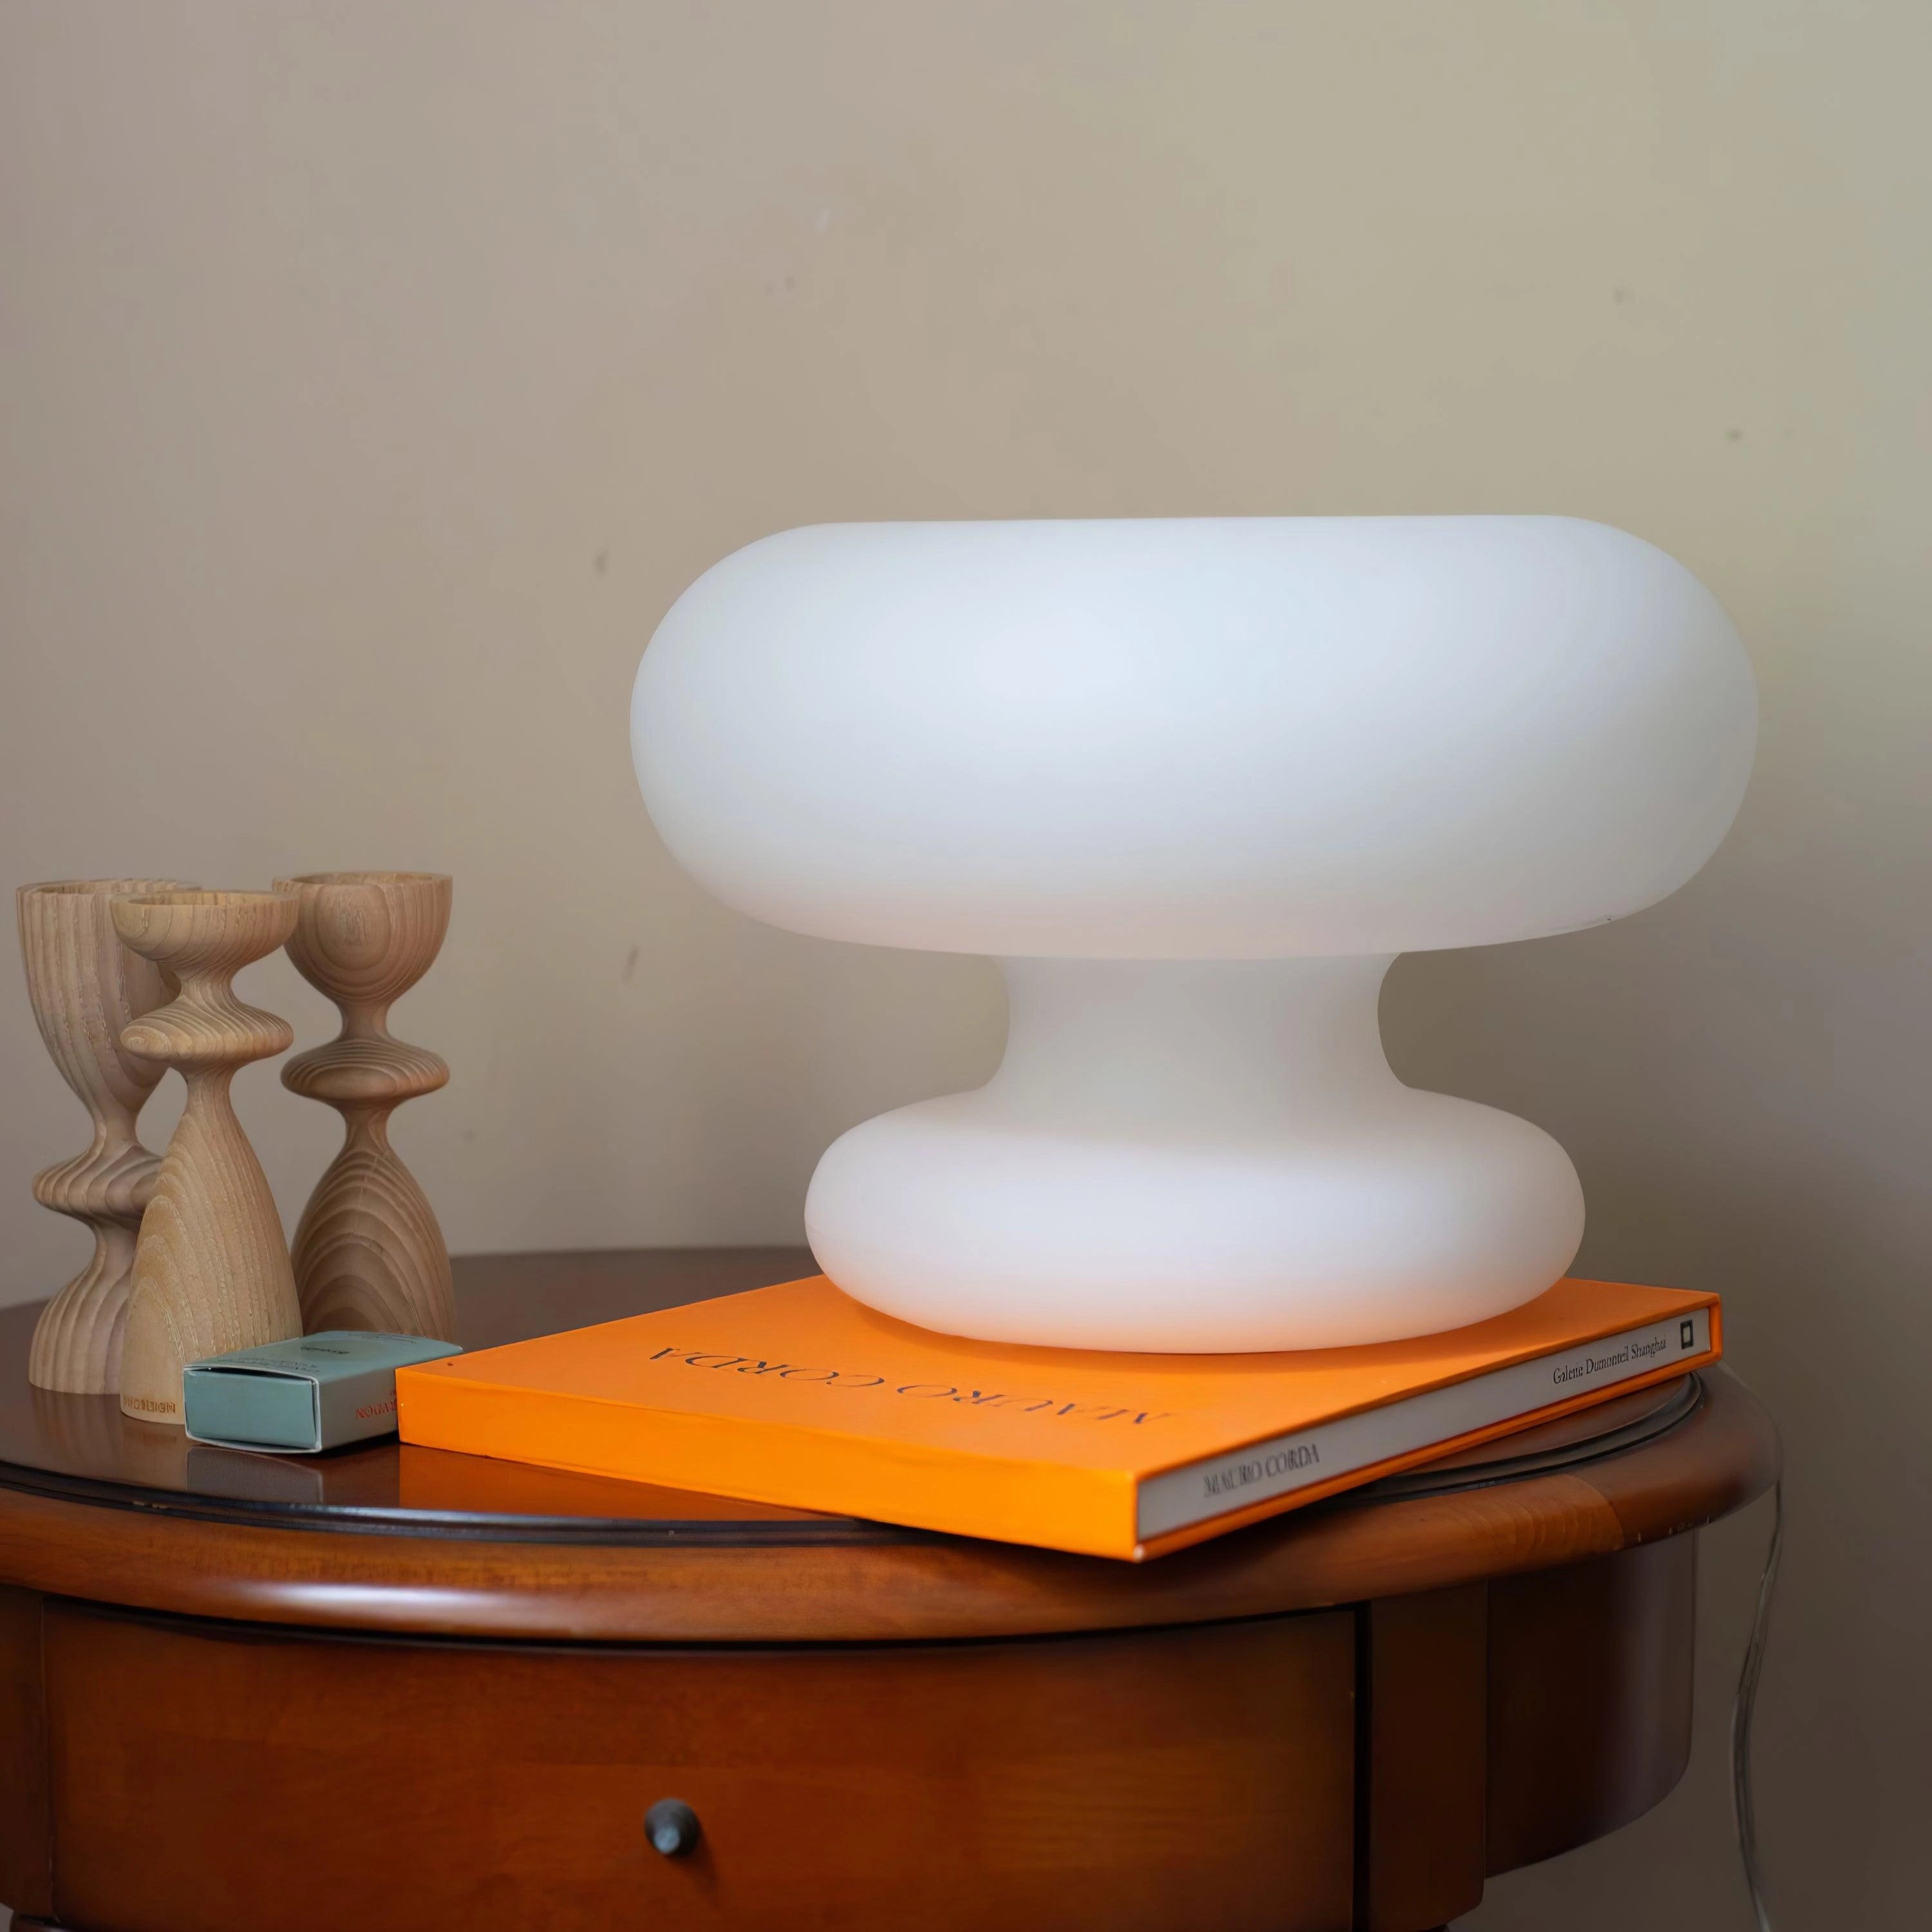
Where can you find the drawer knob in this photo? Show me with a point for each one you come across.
(672, 1827)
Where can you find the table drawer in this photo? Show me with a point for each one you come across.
(218, 1778)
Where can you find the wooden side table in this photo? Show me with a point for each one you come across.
(395, 1688)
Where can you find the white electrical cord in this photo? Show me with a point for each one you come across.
(1743, 1807)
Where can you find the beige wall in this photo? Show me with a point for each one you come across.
(372, 374)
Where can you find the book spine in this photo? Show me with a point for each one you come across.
(1239, 1479)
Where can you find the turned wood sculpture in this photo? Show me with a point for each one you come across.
(211, 1270)
(85, 986)
(368, 1253)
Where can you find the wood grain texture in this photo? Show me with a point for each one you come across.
(1421, 1722)
(1157, 1781)
(762, 1592)
(1590, 1670)
(876, 1727)
(85, 987)
(1171, 1772)
(212, 1271)
(368, 1253)
(26, 1812)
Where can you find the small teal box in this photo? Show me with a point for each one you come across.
(311, 1392)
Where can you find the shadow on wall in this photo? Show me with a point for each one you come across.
(1742, 1120)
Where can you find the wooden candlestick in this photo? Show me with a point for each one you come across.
(368, 1253)
(210, 1269)
(85, 986)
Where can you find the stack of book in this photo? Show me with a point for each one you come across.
(798, 1395)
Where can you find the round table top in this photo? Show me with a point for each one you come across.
(391, 1536)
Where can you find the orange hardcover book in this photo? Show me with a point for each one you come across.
(799, 1395)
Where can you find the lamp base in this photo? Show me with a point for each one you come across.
(1194, 1156)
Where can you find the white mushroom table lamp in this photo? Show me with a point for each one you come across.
(1196, 783)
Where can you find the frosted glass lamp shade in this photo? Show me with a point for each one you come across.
(1196, 783)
